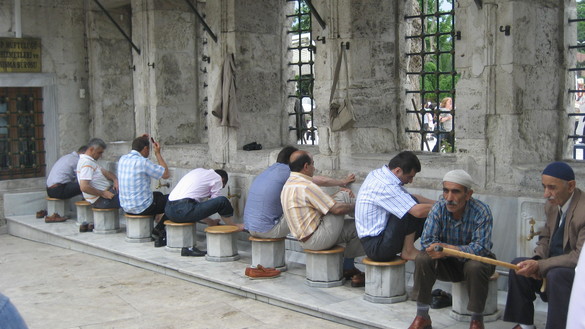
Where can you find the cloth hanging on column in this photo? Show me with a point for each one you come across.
(225, 106)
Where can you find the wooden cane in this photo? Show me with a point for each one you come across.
(457, 253)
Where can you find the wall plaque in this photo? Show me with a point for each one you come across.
(20, 55)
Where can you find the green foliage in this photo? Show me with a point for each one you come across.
(304, 23)
(581, 25)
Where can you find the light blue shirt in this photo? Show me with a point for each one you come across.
(380, 195)
(263, 208)
(63, 170)
(134, 174)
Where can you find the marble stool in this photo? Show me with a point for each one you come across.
(106, 221)
(179, 235)
(221, 243)
(385, 281)
(459, 311)
(268, 252)
(139, 227)
(325, 267)
(55, 206)
(84, 213)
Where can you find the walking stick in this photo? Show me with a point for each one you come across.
(487, 260)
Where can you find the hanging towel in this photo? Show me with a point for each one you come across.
(225, 106)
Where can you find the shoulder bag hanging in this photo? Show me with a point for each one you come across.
(341, 115)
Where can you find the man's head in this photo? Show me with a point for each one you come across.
(558, 181)
(405, 165)
(82, 149)
(224, 176)
(302, 162)
(95, 148)
(141, 145)
(457, 191)
(285, 153)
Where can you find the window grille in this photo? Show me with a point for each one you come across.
(577, 90)
(431, 52)
(301, 50)
(22, 152)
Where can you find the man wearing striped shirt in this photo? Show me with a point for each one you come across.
(316, 219)
(388, 218)
(459, 222)
(99, 186)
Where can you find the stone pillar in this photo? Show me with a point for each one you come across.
(254, 32)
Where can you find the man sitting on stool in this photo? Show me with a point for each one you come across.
(316, 219)
(62, 181)
(186, 202)
(94, 180)
(459, 222)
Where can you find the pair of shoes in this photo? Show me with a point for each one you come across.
(441, 299)
(252, 147)
(421, 323)
(55, 218)
(261, 272)
(41, 213)
(160, 241)
(348, 274)
(83, 227)
(358, 280)
(475, 324)
(193, 252)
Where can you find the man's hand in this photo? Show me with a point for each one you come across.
(529, 268)
(349, 179)
(155, 147)
(439, 254)
(115, 185)
(349, 191)
(107, 195)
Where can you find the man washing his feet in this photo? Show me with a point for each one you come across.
(389, 219)
(459, 222)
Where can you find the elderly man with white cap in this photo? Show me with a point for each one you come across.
(459, 222)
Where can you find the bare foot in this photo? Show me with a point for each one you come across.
(211, 222)
(409, 254)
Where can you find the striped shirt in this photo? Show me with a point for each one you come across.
(89, 169)
(304, 203)
(380, 195)
(472, 233)
(134, 174)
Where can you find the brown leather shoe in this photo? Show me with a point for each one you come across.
(421, 323)
(348, 274)
(474, 324)
(41, 213)
(55, 218)
(358, 280)
(261, 272)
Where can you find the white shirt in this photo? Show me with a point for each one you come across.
(198, 184)
(575, 318)
(88, 169)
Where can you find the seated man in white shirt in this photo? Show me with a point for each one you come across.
(187, 203)
(99, 186)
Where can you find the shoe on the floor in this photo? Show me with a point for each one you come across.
(41, 213)
(160, 241)
(474, 324)
(261, 272)
(348, 274)
(441, 299)
(90, 227)
(83, 227)
(193, 252)
(55, 218)
(421, 323)
(358, 280)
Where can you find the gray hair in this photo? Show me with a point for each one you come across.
(97, 142)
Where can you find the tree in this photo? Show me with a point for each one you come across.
(302, 20)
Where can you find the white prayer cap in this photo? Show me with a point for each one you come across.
(460, 177)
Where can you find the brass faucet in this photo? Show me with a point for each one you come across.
(532, 234)
(160, 184)
(229, 195)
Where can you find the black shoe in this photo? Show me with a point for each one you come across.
(83, 227)
(192, 252)
(252, 147)
(160, 241)
(441, 299)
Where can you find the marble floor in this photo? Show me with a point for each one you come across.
(344, 305)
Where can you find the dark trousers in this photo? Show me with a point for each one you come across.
(64, 191)
(103, 203)
(385, 246)
(159, 202)
(522, 293)
(191, 211)
(474, 273)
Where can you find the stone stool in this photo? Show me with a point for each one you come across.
(268, 252)
(84, 213)
(179, 235)
(221, 243)
(139, 227)
(325, 267)
(55, 206)
(459, 311)
(385, 281)
(106, 221)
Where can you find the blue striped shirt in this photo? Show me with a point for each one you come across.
(134, 174)
(380, 195)
(472, 233)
